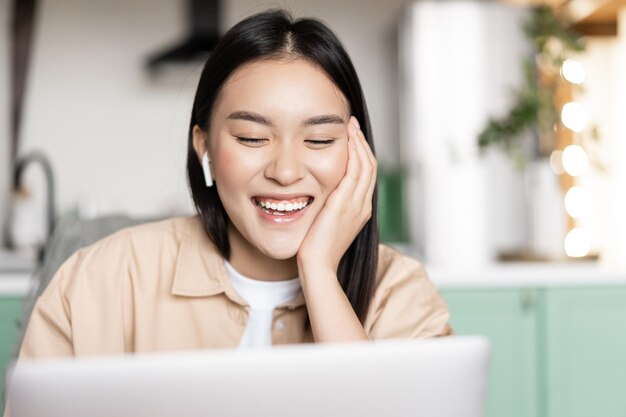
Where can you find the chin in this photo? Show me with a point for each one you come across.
(280, 252)
(279, 245)
(282, 248)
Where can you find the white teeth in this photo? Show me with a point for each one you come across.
(282, 206)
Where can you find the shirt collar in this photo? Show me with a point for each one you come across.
(200, 269)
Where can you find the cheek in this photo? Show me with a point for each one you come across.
(234, 168)
(224, 163)
(329, 169)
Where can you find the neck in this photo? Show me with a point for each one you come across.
(250, 262)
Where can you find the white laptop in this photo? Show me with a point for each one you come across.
(443, 377)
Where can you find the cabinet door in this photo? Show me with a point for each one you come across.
(585, 330)
(10, 314)
(507, 317)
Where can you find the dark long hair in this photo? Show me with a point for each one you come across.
(275, 34)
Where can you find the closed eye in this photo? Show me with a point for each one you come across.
(320, 142)
(250, 140)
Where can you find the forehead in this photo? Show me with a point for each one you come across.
(282, 88)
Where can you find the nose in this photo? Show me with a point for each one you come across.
(285, 167)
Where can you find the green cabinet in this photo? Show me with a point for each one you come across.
(10, 314)
(508, 318)
(585, 350)
(556, 351)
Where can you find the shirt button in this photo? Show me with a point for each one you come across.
(280, 325)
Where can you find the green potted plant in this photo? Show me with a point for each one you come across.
(535, 107)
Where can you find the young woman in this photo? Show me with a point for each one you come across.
(284, 248)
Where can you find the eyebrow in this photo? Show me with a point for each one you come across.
(323, 119)
(258, 118)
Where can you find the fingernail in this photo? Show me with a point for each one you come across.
(358, 126)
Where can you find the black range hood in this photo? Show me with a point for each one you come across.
(204, 20)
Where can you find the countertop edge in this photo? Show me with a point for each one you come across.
(15, 284)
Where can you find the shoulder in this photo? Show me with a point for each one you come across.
(394, 267)
(140, 242)
(148, 248)
(405, 303)
(145, 237)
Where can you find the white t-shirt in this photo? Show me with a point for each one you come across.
(263, 297)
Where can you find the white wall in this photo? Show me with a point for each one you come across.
(4, 109)
(116, 138)
(506, 202)
(463, 59)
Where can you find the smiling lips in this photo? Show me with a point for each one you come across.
(281, 210)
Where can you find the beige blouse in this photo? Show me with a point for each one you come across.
(163, 286)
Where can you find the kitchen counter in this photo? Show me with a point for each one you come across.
(527, 275)
(15, 273)
(14, 283)
(521, 274)
(17, 280)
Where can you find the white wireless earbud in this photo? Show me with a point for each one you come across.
(207, 171)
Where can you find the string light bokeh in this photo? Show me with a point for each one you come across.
(573, 160)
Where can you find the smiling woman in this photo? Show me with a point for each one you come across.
(284, 248)
(284, 153)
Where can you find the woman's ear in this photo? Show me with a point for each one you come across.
(200, 146)
(199, 141)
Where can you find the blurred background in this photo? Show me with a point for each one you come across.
(103, 93)
(499, 128)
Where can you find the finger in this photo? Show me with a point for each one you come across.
(373, 162)
(368, 148)
(372, 186)
(368, 170)
(354, 161)
(365, 175)
(345, 189)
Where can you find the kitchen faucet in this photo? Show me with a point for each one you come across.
(42, 159)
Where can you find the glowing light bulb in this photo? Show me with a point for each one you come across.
(577, 243)
(573, 71)
(574, 116)
(575, 160)
(577, 202)
(556, 162)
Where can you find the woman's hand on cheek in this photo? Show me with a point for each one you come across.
(347, 208)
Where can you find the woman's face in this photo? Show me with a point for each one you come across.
(278, 148)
